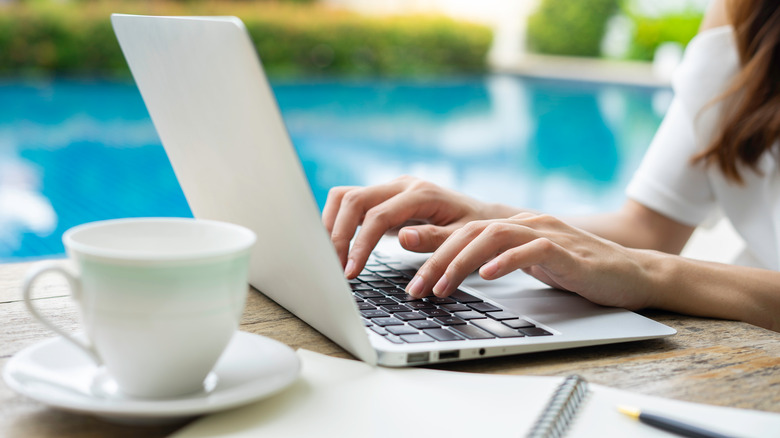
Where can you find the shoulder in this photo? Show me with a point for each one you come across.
(716, 16)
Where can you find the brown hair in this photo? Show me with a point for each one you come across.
(753, 125)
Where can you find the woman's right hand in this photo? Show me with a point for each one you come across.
(381, 208)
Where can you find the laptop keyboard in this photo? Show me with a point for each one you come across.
(400, 318)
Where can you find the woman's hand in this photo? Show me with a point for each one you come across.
(378, 209)
(554, 252)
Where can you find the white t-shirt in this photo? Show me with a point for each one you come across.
(668, 183)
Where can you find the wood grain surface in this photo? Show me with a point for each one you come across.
(710, 361)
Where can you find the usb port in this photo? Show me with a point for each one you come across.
(452, 354)
(417, 357)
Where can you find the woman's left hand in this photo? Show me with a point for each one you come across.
(545, 247)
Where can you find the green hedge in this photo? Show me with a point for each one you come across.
(297, 40)
(650, 32)
(569, 27)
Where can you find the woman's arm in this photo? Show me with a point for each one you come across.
(604, 272)
(637, 226)
(717, 290)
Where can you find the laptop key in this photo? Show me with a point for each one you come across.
(471, 332)
(471, 314)
(367, 294)
(401, 282)
(484, 307)
(457, 307)
(378, 330)
(517, 323)
(384, 322)
(394, 339)
(441, 334)
(367, 276)
(433, 313)
(405, 298)
(381, 301)
(535, 331)
(409, 273)
(440, 300)
(502, 315)
(408, 316)
(419, 305)
(374, 314)
(450, 320)
(496, 328)
(393, 308)
(414, 339)
(423, 324)
(402, 330)
(366, 306)
(380, 284)
(463, 297)
(390, 291)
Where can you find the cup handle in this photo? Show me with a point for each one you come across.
(75, 291)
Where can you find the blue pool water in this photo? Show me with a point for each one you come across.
(73, 152)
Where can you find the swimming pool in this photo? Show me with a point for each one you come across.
(78, 151)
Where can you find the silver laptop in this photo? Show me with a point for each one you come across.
(219, 123)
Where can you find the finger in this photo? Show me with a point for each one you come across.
(377, 221)
(541, 275)
(353, 206)
(425, 238)
(496, 238)
(332, 204)
(541, 258)
(431, 272)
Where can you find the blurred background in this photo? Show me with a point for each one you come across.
(545, 104)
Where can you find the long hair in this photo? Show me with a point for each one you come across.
(752, 125)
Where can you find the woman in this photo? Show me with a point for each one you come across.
(716, 151)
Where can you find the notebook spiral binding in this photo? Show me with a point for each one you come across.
(554, 421)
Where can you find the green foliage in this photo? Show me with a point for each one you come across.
(409, 46)
(298, 40)
(569, 27)
(650, 32)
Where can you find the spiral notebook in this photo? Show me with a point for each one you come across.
(348, 398)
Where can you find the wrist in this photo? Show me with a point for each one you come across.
(501, 211)
(657, 272)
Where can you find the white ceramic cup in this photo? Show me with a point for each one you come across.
(160, 298)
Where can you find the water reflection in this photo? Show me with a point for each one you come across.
(73, 152)
(23, 209)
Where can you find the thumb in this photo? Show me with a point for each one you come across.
(425, 238)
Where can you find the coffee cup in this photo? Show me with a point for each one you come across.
(160, 298)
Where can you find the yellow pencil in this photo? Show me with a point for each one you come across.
(670, 425)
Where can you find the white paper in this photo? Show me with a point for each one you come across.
(347, 398)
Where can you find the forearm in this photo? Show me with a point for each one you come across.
(636, 226)
(709, 289)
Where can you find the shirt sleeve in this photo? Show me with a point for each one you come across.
(666, 180)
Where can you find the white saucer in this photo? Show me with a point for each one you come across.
(56, 373)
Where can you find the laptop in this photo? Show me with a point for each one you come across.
(207, 94)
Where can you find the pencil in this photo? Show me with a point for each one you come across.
(670, 425)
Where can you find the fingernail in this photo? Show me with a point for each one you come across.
(411, 238)
(349, 268)
(441, 286)
(489, 269)
(415, 286)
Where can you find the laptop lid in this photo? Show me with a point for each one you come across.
(218, 120)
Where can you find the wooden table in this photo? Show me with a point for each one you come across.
(709, 361)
